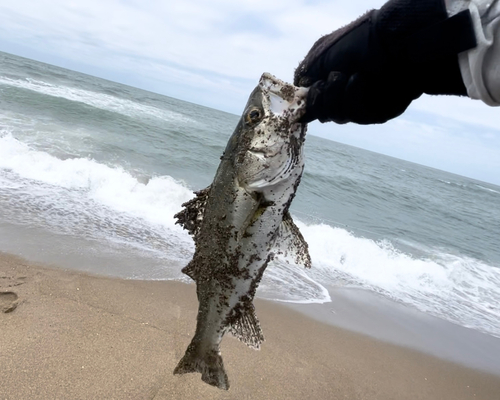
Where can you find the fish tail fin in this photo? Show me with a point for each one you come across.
(208, 362)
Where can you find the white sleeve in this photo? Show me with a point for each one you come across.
(480, 66)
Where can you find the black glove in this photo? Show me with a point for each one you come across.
(371, 70)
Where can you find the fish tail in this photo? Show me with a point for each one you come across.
(208, 362)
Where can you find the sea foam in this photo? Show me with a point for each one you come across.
(459, 288)
(155, 200)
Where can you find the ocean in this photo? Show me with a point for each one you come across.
(92, 172)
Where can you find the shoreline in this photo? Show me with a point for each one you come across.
(370, 314)
(75, 335)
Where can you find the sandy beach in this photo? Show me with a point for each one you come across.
(69, 335)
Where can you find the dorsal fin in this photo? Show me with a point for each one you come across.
(191, 216)
(190, 270)
(290, 242)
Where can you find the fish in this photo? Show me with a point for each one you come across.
(242, 221)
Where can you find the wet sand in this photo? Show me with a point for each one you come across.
(68, 335)
(371, 314)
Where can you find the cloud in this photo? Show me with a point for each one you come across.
(238, 39)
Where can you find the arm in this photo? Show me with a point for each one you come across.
(480, 67)
(371, 70)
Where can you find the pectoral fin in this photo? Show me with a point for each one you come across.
(191, 216)
(291, 243)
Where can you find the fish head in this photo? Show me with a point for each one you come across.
(270, 136)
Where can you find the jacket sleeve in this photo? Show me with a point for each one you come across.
(480, 66)
(371, 70)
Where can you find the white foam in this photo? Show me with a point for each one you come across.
(155, 201)
(95, 99)
(286, 282)
(460, 289)
(487, 189)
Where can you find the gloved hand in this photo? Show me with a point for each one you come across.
(371, 70)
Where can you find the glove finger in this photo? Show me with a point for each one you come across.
(324, 99)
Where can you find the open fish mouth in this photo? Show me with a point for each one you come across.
(284, 100)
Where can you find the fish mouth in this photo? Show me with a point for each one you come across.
(284, 100)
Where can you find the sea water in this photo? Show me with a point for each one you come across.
(92, 173)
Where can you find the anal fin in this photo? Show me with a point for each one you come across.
(247, 328)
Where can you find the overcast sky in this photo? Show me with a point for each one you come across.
(212, 52)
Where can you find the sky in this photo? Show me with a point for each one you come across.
(212, 52)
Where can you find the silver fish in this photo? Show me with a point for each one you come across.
(241, 221)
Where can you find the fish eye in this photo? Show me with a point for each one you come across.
(254, 116)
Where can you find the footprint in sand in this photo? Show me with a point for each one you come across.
(8, 302)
